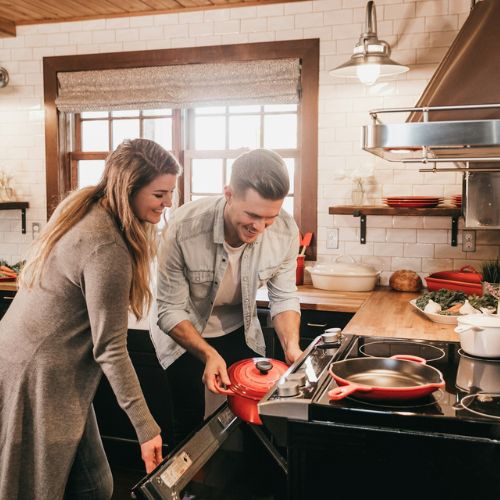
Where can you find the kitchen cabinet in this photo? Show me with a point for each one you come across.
(6, 297)
(119, 438)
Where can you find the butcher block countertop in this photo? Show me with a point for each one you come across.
(383, 312)
(322, 300)
(387, 313)
(8, 286)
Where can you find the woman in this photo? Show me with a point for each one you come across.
(68, 322)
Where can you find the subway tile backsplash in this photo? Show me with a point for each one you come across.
(419, 31)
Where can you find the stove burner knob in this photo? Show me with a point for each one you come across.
(298, 378)
(288, 389)
(332, 335)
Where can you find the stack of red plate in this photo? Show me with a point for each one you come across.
(412, 201)
(456, 200)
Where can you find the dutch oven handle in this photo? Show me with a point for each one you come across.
(468, 269)
(409, 357)
(264, 366)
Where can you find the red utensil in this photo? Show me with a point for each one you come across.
(306, 241)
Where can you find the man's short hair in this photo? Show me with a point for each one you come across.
(262, 170)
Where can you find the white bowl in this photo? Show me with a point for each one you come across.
(437, 318)
(344, 277)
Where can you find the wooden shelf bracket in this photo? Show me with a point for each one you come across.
(17, 205)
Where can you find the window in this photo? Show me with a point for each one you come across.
(205, 140)
(217, 135)
(98, 133)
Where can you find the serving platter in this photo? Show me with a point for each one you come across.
(437, 318)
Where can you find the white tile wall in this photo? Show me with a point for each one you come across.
(419, 31)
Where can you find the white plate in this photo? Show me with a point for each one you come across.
(437, 318)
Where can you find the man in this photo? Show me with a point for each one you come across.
(216, 254)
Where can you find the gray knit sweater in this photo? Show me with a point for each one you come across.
(55, 341)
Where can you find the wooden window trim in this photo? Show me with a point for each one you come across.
(58, 167)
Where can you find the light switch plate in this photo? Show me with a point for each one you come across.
(332, 238)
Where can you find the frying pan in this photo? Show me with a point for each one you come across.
(400, 377)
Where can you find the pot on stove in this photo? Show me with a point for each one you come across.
(480, 335)
(251, 379)
(478, 375)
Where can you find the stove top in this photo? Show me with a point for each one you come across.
(468, 405)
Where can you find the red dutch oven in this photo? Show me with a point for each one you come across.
(251, 379)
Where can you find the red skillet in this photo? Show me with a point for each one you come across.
(400, 377)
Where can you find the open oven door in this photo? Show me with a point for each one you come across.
(225, 458)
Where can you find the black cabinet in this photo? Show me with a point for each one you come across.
(119, 438)
(6, 297)
(314, 323)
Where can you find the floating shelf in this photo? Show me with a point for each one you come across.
(17, 205)
(362, 211)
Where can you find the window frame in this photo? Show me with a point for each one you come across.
(57, 147)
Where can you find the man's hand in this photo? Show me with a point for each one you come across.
(215, 372)
(151, 453)
(292, 353)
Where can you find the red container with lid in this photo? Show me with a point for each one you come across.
(251, 380)
(466, 280)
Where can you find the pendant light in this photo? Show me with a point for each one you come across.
(370, 57)
(4, 77)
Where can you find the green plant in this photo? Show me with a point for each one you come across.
(491, 271)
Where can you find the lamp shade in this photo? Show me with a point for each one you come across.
(371, 56)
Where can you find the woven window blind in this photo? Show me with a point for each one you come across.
(181, 86)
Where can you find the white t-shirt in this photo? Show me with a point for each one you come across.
(227, 313)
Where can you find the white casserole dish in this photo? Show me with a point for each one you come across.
(480, 334)
(344, 277)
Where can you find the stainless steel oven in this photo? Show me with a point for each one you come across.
(225, 459)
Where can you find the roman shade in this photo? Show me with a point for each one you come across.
(180, 86)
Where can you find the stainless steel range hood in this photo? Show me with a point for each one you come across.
(457, 118)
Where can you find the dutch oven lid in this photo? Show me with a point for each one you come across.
(467, 274)
(481, 320)
(344, 269)
(254, 377)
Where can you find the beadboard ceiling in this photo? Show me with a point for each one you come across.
(15, 13)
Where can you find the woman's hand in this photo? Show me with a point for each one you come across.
(215, 372)
(151, 453)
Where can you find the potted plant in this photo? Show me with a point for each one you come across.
(491, 279)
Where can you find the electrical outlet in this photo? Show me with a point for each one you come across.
(35, 229)
(332, 238)
(469, 240)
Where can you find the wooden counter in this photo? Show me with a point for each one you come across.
(322, 300)
(387, 313)
(8, 286)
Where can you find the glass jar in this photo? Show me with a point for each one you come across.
(357, 193)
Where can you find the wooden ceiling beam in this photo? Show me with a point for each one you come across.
(7, 28)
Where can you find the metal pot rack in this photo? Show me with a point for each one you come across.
(463, 141)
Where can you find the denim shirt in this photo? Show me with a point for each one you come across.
(192, 264)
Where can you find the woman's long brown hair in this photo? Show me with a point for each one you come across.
(131, 166)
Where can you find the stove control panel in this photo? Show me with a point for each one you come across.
(294, 391)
